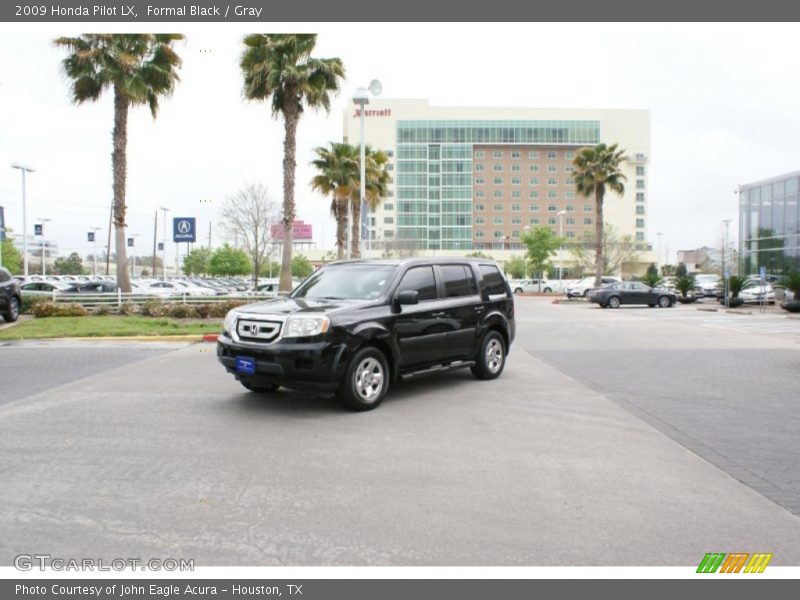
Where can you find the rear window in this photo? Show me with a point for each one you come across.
(493, 282)
(458, 281)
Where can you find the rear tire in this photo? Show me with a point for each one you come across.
(586, 294)
(518, 291)
(491, 359)
(11, 313)
(366, 380)
(548, 290)
(664, 302)
(264, 388)
(613, 302)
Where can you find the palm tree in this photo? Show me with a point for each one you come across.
(279, 66)
(337, 176)
(140, 68)
(596, 170)
(375, 190)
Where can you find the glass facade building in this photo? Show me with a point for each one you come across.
(434, 166)
(769, 225)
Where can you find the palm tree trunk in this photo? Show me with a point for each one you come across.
(598, 249)
(119, 165)
(291, 117)
(341, 226)
(355, 228)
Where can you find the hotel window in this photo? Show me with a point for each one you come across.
(552, 181)
(533, 194)
(515, 194)
(498, 208)
(534, 181)
(640, 196)
(569, 195)
(534, 168)
(640, 171)
(569, 181)
(552, 154)
(640, 210)
(640, 236)
(479, 234)
(497, 154)
(640, 184)
(570, 221)
(480, 194)
(588, 208)
(516, 221)
(498, 234)
(533, 155)
(515, 233)
(516, 207)
(480, 154)
(389, 233)
(552, 208)
(569, 155)
(479, 220)
(552, 194)
(388, 220)
(497, 168)
(478, 167)
(390, 167)
(551, 220)
(534, 221)
(479, 181)
(516, 181)
(533, 208)
(587, 221)
(570, 208)
(388, 206)
(480, 207)
(497, 194)
(552, 169)
(497, 221)
(497, 181)
(639, 223)
(569, 169)
(516, 168)
(515, 154)
(570, 234)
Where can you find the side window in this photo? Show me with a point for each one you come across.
(419, 279)
(458, 281)
(493, 281)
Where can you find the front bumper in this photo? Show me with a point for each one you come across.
(309, 366)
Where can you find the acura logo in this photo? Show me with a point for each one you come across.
(184, 226)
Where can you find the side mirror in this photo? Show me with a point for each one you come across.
(407, 297)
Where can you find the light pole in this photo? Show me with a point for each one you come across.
(94, 240)
(361, 99)
(24, 169)
(164, 238)
(560, 215)
(133, 245)
(659, 248)
(725, 273)
(43, 221)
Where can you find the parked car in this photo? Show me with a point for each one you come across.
(754, 292)
(42, 288)
(356, 327)
(709, 284)
(547, 286)
(10, 297)
(615, 295)
(583, 286)
(93, 287)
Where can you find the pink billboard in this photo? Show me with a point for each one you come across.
(300, 231)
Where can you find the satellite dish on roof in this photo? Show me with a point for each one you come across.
(375, 87)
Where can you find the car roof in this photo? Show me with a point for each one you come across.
(417, 260)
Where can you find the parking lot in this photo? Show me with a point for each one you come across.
(629, 437)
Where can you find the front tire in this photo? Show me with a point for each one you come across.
(265, 388)
(614, 302)
(491, 358)
(586, 294)
(664, 302)
(548, 290)
(518, 291)
(12, 312)
(366, 381)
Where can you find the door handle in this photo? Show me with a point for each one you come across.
(480, 309)
(438, 314)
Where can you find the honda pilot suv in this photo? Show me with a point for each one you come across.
(10, 296)
(356, 327)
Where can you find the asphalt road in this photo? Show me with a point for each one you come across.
(578, 455)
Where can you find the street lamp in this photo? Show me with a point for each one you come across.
(164, 238)
(94, 231)
(133, 245)
(659, 247)
(24, 169)
(43, 221)
(361, 99)
(560, 216)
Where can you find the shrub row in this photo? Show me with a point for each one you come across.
(41, 307)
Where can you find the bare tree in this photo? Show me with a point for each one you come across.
(248, 216)
(617, 250)
(400, 248)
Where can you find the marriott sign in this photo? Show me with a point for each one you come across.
(383, 112)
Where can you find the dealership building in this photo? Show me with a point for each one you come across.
(769, 225)
(468, 179)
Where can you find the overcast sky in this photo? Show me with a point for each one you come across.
(723, 102)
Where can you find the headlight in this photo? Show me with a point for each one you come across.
(305, 326)
(230, 321)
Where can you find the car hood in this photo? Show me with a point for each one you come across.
(287, 306)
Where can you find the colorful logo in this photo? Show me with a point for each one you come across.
(734, 562)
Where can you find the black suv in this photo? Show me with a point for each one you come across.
(353, 327)
(10, 298)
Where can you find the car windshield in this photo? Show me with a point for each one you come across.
(346, 281)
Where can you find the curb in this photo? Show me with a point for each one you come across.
(120, 338)
(211, 337)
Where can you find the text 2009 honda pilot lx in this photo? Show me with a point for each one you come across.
(354, 327)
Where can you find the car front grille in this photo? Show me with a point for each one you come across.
(257, 330)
